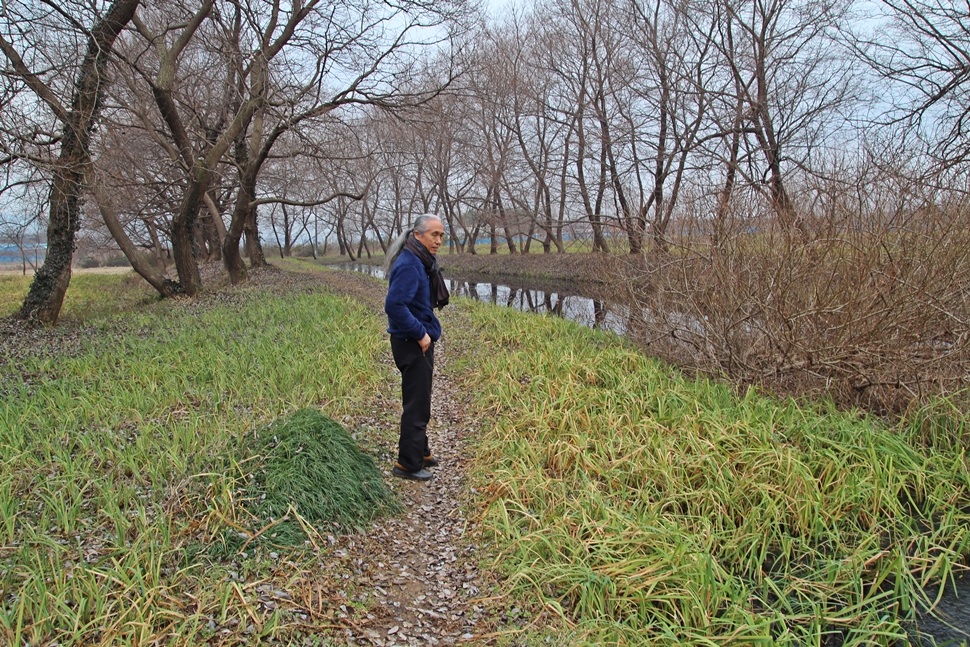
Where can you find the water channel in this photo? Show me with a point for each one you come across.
(949, 625)
(572, 301)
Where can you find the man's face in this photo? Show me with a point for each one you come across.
(432, 237)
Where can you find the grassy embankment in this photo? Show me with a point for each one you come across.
(643, 508)
(122, 481)
(638, 506)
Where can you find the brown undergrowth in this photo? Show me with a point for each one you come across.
(875, 320)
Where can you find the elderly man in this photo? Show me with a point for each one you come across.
(415, 289)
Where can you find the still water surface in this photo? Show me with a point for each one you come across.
(571, 301)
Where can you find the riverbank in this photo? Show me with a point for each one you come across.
(586, 495)
(647, 508)
(796, 322)
(573, 267)
(640, 506)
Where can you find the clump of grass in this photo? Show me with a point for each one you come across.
(311, 465)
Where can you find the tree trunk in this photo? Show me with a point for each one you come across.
(592, 212)
(238, 224)
(183, 234)
(287, 234)
(164, 286)
(212, 229)
(500, 209)
(161, 255)
(46, 295)
(257, 258)
(472, 239)
(724, 196)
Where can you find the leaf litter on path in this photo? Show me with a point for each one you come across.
(416, 574)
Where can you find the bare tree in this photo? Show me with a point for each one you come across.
(571, 52)
(199, 162)
(75, 107)
(21, 217)
(667, 114)
(922, 49)
(492, 84)
(443, 161)
(788, 78)
(543, 138)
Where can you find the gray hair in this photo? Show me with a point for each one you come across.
(394, 249)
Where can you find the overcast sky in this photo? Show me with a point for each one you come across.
(497, 7)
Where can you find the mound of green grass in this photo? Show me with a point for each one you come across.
(311, 464)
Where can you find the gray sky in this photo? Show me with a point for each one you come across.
(498, 7)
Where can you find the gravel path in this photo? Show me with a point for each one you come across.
(416, 574)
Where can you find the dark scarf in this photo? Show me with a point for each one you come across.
(439, 292)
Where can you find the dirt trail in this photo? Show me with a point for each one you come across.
(415, 575)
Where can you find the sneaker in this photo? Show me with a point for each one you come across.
(420, 475)
(430, 461)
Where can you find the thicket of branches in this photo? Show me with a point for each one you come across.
(786, 176)
(872, 309)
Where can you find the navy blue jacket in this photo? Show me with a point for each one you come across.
(408, 302)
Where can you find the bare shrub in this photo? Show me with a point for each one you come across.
(872, 309)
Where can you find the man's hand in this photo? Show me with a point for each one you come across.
(425, 343)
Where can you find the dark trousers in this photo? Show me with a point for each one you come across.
(416, 372)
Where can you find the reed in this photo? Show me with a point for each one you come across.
(642, 507)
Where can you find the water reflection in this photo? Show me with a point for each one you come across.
(558, 303)
(565, 300)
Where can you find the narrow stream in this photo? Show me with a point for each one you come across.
(566, 300)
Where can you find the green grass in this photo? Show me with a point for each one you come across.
(90, 296)
(308, 465)
(123, 462)
(643, 508)
(636, 506)
(13, 289)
